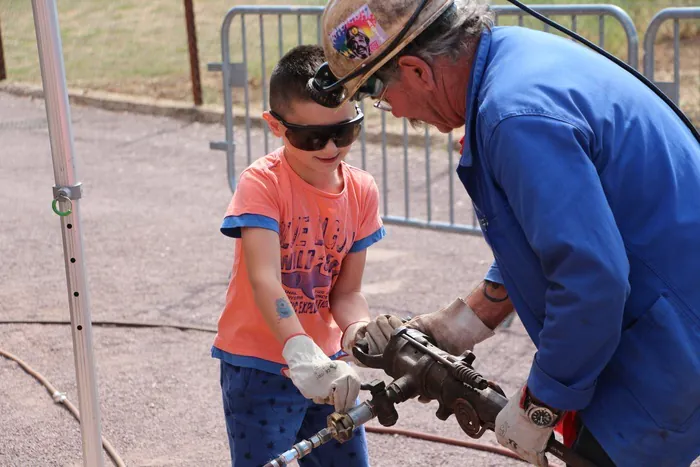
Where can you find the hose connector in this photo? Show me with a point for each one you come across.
(302, 448)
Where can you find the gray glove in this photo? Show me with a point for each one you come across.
(377, 333)
(455, 328)
(515, 431)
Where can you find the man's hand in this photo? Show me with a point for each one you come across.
(377, 334)
(517, 432)
(455, 328)
(318, 377)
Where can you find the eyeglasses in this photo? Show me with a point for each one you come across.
(316, 137)
(381, 104)
(373, 88)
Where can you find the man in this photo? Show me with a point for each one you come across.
(587, 189)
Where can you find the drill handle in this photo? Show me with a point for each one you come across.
(361, 352)
(567, 455)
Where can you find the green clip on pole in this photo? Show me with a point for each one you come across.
(54, 206)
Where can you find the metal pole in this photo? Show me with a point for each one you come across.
(66, 204)
(194, 58)
(263, 78)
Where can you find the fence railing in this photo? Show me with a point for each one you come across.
(671, 88)
(574, 11)
(407, 198)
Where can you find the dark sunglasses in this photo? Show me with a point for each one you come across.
(316, 137)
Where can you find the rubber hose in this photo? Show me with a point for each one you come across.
(60, 398)
(122, 324)
(186, 327)
(443, 440)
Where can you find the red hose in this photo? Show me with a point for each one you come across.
(60, 398)
(370, 429)
(441, 439)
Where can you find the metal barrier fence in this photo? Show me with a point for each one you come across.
(419, 198)
(671, 88)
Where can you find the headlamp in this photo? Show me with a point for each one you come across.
(326, 89)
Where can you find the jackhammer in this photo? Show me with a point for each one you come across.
(420, 368)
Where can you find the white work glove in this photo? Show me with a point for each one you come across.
(377, 334)
(455, 328)
(515, 431)
(318, 377)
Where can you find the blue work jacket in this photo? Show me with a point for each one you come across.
(587, 189)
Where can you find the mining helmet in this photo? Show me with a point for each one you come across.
(359, 37)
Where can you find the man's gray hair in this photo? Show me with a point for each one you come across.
(455, 32)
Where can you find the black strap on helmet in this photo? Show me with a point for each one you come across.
(326, 89)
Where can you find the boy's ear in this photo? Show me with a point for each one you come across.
(417, 73)
(274, 125)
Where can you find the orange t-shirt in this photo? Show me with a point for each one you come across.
(317, 230)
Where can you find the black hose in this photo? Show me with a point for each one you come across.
(616, 60)
(117, 324)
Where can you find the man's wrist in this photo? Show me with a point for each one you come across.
(490, 302)
(539, 413)
(540, 403)
(494, 292)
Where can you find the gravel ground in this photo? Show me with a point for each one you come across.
(154, 196)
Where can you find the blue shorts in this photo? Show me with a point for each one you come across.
(266, 414)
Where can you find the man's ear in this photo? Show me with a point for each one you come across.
(417, 73)
(274, 125)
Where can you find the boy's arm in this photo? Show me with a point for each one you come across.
(311, 371)
(348, 305)
(351, 311)
(261, 249)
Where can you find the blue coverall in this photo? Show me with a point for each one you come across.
(587, 189)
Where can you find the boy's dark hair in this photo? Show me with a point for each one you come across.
(291, 75)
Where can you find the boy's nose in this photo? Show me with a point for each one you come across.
(331, 148)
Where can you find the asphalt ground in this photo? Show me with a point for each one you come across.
(154, 197)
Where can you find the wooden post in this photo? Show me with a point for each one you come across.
(3, 72)
(194, 59)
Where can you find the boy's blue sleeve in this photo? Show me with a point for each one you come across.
(255, 203)
(553, 188)
(371, 228)
(368, 241)
(231, 226)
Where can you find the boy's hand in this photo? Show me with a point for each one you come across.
(377, 334)
(318, 377)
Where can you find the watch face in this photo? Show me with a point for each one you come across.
(541, 417)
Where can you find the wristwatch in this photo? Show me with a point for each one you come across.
(538, 413)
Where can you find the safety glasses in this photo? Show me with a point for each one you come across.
(316, 137)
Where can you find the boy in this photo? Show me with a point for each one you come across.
(299, 214)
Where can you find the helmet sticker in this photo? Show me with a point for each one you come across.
(358, 36)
